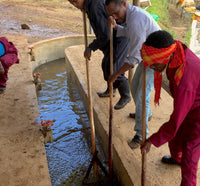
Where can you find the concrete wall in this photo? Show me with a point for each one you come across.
(51, 49)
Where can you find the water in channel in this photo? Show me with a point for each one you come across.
(69, 155)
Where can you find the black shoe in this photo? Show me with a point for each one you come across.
(168, 159)
(2, 89)
(135, 142)
(122, 102)
(132, 115)
(106, 93)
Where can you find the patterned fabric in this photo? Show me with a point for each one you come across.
(178, 60)
(153, 55)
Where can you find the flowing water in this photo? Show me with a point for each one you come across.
(69, 155)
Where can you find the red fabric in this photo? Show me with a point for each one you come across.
(183, 129)
(157, 86)
(151, 55)
(178, 60)
(7, 60)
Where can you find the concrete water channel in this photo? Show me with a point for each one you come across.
(69, 154)
(125, 166)
(23, 157)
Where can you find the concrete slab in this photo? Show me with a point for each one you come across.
(127, 162)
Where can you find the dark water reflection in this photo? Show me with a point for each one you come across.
(70, 153)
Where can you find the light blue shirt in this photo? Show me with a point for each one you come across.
(2, 49)
(138, 26)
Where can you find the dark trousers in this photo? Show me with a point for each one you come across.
(120, 51)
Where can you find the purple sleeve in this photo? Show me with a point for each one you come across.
(183, 101)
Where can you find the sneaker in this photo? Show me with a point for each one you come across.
(2, 90)
(132, 115)
(135, 142)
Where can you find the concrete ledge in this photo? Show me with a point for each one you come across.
(126, 162)
(51, 49)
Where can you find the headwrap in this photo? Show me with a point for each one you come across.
(151, 55)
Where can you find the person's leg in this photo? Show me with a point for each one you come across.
(2, 71)
(3, 79)
(105, 65)
(120, 52)
(191, 154)
(138, 98)
(176, 144)
(149, 88)
(124, 92)
(135, 82)
(136, 89)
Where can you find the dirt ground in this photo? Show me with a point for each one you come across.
(46, 20)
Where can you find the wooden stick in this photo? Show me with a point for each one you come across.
(111, 107)
(91, 117)
(143, 176)
(130, 75)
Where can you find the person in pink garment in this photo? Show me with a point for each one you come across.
(8, 56)
(182, 131)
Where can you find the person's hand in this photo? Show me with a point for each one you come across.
(112, 78)
(145, 146)
(112, 22)
(87, 53)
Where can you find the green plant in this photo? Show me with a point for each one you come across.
(188, 37)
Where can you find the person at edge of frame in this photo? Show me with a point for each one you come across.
(162, 53)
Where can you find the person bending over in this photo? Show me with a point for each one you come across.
(161, 52)
(98, 17)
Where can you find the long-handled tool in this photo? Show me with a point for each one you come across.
(143, 175)
(95, 161)
(111, 107)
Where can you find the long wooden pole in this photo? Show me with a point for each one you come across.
(111, 107)
(91, 117)
(143, 175)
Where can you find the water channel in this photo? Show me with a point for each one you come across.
(69, 155)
